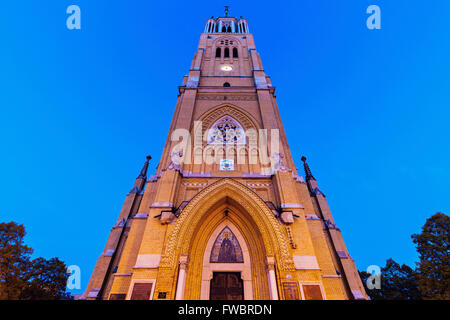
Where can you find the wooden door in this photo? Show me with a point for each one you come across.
(227, 286)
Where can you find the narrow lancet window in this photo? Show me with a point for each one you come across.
(235, 53)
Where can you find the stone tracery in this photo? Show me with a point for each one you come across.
(226, 130)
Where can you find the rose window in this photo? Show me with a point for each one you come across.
(226, 131)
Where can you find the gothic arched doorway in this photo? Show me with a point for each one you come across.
(226, 270)
(225, 203)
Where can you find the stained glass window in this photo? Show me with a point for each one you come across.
(226, 130)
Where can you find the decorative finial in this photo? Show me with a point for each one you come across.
(308, 173)
(226, 11)
(143, 174)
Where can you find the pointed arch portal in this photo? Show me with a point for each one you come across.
(227, 203)
(239, 264)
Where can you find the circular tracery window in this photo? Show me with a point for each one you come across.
(226, 130)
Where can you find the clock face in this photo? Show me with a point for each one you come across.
(227, 68)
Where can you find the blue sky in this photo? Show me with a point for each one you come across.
(80, 110)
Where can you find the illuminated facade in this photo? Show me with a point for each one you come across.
(226, 216)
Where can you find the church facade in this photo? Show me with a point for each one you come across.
(226, 216)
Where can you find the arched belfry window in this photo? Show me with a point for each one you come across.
(235, 53)
(226, 130)
(227, 53)
(227, 85)
(218, 53)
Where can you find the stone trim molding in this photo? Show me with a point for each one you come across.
(162, 205)
(141, 216)
(195, 184)
(357, 294)
(227, 97)
(291, 206)
(109, 253)
(306, 263)
(148, 261)
(259, 185)
(93, 293)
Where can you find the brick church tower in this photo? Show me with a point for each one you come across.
(226, 215)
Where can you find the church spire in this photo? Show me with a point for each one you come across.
(308, 174)
(102, 277)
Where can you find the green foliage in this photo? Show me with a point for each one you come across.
(401, 282)
(14, 260)
(25, 279)
(397, 283)
(431, 279)
(46, 280)
(433, 246)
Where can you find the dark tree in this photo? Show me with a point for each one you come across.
(433, 246)
(14, 260)
(46, 280)
(397, 283)
(25, 279)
